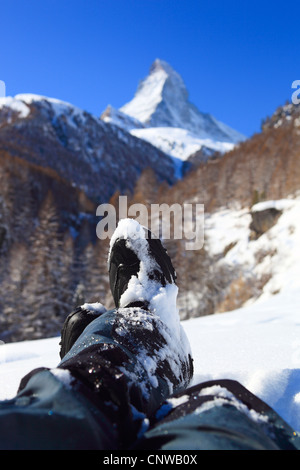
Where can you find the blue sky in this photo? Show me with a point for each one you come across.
(237, 58)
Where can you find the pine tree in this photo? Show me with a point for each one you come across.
(13, 280)
(95, 275)
(44, 286)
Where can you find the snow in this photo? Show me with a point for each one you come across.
(222, 395)
(257, 345)
(96, 307)
(21, 103)
(147, 98)
(64, 376)
(234, 135)
(120, 119)
(15, 104)
(59, 107)
(180, 143)
(18, 359)
(280, 205)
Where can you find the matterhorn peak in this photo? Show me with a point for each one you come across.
(162, 100)
(161, 113)
(173, 80)
(154, 99)
(159, 64)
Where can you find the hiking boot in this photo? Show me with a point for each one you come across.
(137, 264)
(76, 322)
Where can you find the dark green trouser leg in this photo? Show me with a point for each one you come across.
(47, 414)
(101, 391)
(218, 415)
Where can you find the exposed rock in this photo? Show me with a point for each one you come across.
(263, 220)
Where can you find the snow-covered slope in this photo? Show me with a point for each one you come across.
(15, 104)
(166, 118)
(120, 119)
(180, 143)
(17, 359)
(274, 255)
(21, 103)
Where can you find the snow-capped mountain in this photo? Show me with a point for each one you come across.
(96, 157)
(162, 114)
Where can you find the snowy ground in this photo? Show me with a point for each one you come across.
(258, 345)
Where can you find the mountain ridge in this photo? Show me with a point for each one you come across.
(97, 157)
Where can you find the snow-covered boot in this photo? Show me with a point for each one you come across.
(143, 285)
(138, 264)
